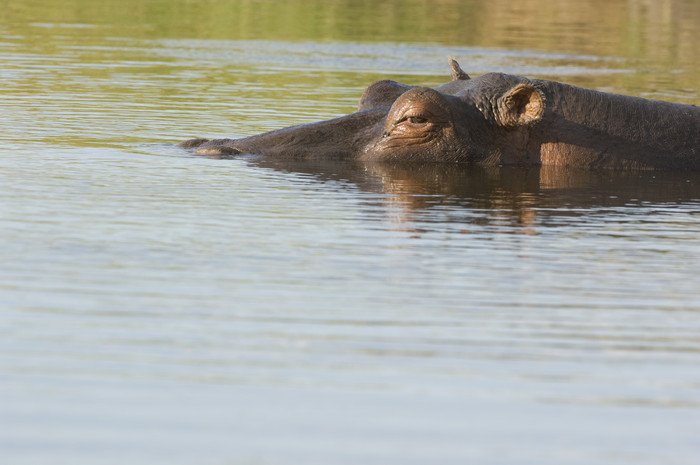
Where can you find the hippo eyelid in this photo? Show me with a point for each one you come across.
(417, 119)
(413, 119)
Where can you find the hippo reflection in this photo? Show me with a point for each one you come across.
(444, 193)
(490, 120)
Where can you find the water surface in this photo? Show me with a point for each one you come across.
(164, 308)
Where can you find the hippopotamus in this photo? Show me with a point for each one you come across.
(491, 120)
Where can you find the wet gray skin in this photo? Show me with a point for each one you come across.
(494, 119)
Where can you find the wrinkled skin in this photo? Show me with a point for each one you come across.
(494, 119)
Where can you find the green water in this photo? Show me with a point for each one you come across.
(158, 307)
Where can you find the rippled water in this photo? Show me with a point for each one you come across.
(164, 308)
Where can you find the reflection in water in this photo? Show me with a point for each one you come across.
(658, 39)
(527, 196)
(663, 30)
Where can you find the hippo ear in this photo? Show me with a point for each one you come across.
(521, 105)
(457, 73)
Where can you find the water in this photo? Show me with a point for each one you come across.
(164, 308)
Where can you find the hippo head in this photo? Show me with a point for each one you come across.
(483, 120)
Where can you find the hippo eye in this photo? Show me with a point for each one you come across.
(417, 120)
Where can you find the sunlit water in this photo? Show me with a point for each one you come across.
(164, 308)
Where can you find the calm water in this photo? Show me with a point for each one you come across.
(163, 308)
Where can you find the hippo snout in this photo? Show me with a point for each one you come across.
(211, 148)
(217, 150)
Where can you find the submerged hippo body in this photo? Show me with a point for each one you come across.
(494, 119)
